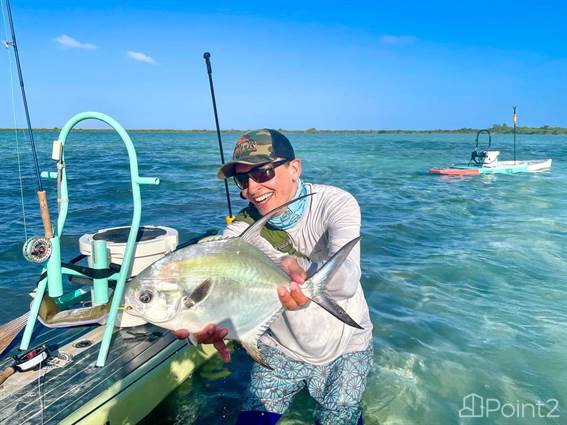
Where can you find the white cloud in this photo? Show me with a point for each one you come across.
(141, 57)
(68, 42)
(397, 40)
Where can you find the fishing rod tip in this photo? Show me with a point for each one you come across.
(206, 55)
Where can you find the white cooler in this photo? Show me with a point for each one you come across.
(153, 243)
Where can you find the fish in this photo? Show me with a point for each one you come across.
(230, 282)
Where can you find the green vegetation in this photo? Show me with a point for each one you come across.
(496, 128)
(546, 129)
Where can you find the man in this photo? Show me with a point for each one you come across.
(306, 345)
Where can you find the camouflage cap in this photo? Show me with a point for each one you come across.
(257, 147)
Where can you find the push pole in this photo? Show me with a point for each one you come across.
(515, 118)
(207, 57)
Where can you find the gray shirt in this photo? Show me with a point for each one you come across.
(311, 334)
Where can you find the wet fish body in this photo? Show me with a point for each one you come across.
(241, 285)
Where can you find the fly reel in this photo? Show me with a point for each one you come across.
(37, 249)
(32, 359)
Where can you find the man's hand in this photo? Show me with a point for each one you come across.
(292, 268)
(209, 335)
(294, 298)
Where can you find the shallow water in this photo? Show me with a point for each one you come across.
(466, 278)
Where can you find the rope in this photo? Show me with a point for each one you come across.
(11, 68)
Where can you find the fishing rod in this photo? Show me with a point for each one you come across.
(207, 57)
(44, 244)
(515, 118)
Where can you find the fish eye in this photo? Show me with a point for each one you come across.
(145, 296)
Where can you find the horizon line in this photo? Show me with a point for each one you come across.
(498, 128)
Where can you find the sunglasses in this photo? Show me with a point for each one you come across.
(260, 174)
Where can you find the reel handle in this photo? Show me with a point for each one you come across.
(6, 373)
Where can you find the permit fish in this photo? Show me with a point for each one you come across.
(230, 282)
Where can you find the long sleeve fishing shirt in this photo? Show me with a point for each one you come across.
(311, 334)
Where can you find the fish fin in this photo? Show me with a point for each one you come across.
(211, 238)
(320, 278)
(251, 347)
(250, 340)
(252, 232)
(201, 291)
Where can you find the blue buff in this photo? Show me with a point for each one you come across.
(294, 212)
(258, 418)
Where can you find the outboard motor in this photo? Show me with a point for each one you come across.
(490, 158)
(486, 157)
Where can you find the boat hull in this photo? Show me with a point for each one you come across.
(503, 167)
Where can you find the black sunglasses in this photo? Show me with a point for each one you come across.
(260, 174)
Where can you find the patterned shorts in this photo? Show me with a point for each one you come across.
(337, 387)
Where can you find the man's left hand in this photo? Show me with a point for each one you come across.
(211, 334)
(293, 298)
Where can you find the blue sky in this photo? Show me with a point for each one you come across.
(292, 64)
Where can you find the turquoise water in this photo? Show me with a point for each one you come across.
(466, 278)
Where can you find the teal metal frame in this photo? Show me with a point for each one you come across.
(53, 283)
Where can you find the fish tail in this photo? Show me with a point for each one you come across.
(319, 280)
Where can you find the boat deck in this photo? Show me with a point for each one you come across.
(70, 389)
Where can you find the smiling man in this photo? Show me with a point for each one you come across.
(306, 345)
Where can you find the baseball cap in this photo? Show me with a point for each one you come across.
(258, 147)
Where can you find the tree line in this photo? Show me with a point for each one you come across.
(496, 128)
